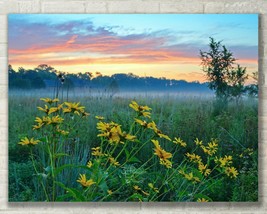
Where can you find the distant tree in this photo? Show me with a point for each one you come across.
(224, 76)
(253, 88)
(113, 88)
(37, 82)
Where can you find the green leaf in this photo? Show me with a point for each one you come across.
(127, 153)
(76, 194)
(61, 168)
(134, 160)
(135, 196)
(58, 155)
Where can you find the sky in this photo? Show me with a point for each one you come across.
(158, 45)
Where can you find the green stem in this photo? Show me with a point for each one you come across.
(37, 173)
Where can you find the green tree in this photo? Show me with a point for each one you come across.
(225, 76)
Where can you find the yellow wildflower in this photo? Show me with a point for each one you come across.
(193, 157)
(204, 169)
(115, 134)
(198, 142)
(113, 161)
(27, 141)
(145, 114)
(153, 188)
(110, 192)
(50, 101)
(63, 132)
(179, 141)
(154, 127)
(99, 117)
(137, 188)
(84, 114)
(225, 161)
(142, 122)
(45, 109)
(190, 176)
(74, 108)
(142, 110)
(84, 182)
(202, 200)
(102, 126)
(96, 152)
(38, 126)
(211, 148)
(231, 172)
(89, 164)
(54, 120)
(162, 154)
(129, 137)
(134, 105)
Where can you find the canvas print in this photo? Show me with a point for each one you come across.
(133, 107)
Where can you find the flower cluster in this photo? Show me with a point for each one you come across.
(113, 133)
(162, 154)
(141, 110)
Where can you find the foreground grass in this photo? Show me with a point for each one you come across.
(187, 119)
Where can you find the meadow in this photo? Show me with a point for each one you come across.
(133, 147)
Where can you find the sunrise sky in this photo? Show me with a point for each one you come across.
(159, 45)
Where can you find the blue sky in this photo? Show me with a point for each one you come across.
(166, 44)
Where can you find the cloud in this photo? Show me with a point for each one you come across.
(82, 42)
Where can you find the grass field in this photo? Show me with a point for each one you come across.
(191, 149)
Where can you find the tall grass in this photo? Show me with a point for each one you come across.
(187, 117)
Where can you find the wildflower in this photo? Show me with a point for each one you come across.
(63, 132)
(110, 192)
(190, 176)
(102, 126)
(134, 105)
(54, 120)
(179, 141)
(212, 147)
(198, 142)
(153, 188)
(128, 137)
(113, 161)
(46, 109)
(137, 188)
(96, 152)
(84, 182)
(142, 110)
(162, 154)
(231, 172)
(60, 106)
(50, 101)
(38, 126)
(27, 141)
(89, 164)
(204, 169)
(193, 157)
(112, 131)
(99, 117)
(114, 135)
(141, 122)
(74, 108)
(85, 114)
(154, 127)
(202, 200)
(225, 161)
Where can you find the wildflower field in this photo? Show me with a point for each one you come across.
(132, 148)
